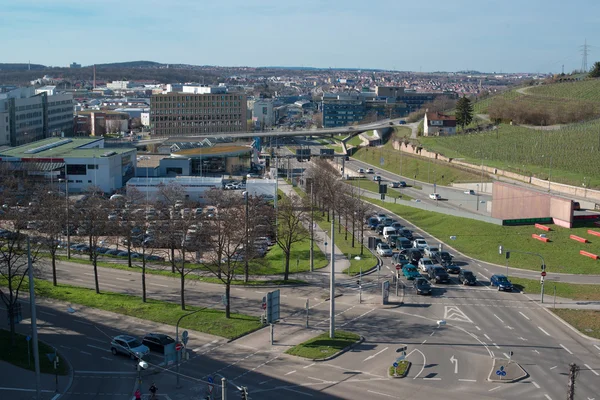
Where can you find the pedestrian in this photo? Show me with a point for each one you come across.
(138, 395)
(153, 390)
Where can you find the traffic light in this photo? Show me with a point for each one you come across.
(244, 393)
(543, 267)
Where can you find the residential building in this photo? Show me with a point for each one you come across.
(34, 116)
(198, 110)
(342, 109)
(83, 162)
(438, 124)
(119, 85)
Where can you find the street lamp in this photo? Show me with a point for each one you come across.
(67, 207)
(478, 197)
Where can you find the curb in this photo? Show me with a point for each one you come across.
(400, 376)
(583, 335)
(71, 377)
(331, 357)
(490, 378)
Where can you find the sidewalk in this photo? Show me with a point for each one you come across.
(19, 383)
(561, 302)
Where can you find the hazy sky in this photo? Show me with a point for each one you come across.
(427, 35)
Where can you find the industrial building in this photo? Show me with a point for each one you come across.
(82, 162)
(27, 115)
(195, 187)
(198, 110)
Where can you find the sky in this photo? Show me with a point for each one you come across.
(537, 36)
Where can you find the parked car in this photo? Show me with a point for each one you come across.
(435, 196)
(451, 268)
(466, 277)
(471, 192)
(154, 258)
(443, 258)
(129, 346)
(438, 274)
(419, 243)
(429, 250)
(157, 342)
(422, 286)
(424, 264)
(112, 252)
(501, 282)
(384, 250)
(410, 272)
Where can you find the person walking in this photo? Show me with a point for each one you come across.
(153, 390)
(138, 395)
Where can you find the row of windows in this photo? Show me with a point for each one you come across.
(58, 103)
(28, 124)
(60, 110)
(210, 97)
(196, 105)
(60, 118)
(192, 123)
(196, 112)
(193, 130)
(30, 115)
(28, 107)
(197, 118)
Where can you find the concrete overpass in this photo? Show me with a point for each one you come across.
(351, 131)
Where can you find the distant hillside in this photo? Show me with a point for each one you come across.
(132, 64)
(586, 89)
(20, 67)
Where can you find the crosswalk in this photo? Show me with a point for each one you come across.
(354, 284)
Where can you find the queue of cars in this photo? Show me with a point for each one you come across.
(419, 261)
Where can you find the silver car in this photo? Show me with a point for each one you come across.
(129, 346)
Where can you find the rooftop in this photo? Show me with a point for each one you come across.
(59, 147)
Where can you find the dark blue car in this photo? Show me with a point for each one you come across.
(501, 282)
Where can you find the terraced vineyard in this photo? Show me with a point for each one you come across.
(481, 107)
(570, 154)
(588, 90)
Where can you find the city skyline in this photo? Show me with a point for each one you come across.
(533, 37)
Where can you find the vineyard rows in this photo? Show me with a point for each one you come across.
(588, 89)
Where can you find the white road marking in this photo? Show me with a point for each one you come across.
(121, 279)
(596, 346)
(452, 360)
(487, 337)
(47, 313)
(478, 328)
(423, 342)
(82, 322)
(97, 340)
(107, 358)
(424, 364)
(492, 389)
(510, 327)
(590, 368)
(65, 347)
(263, 382)
(454, 313)
(506, 355)
(535, 384)
(289, 373)
(534, 350)
(568, 351)
(381, 394)
(387, 266)
(553, 367)
(548, 397)
(499, 319)
(432, 379)
(309, 365)
(526, 317)
(468, 380)
(98, 348)
(541, 329)
(157, 284)
(522, 338)
(496, 345)
(375, 355)
(297, 391)
(85, 352)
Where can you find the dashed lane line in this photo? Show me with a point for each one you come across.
(590, 368)
(98, 348)
(289, 373)
(468, 380)
(548, 397)
(526, 317)
(381, 394)
(535, 384)
(542, 329)
(563, 346)
(499, 319)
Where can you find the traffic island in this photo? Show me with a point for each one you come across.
(322, 348)
(400, 371)
(505, 371)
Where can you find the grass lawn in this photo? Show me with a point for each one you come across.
(373, 186)
(567, 290)
(17, 355)
(273, 263)
(414, 167)
(208, 321)
(322, 346)
(402, 132)
(355, 141)
(400, 370)
(480, 240)
(585, 321)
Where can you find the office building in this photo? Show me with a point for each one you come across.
(83, 162)
(342, 109)
(28, 116)
(198, 110)
(262, 113)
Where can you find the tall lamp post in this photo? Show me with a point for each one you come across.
(67, 208)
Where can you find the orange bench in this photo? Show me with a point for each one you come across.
(578, 238)
(538, 237)
(588, 254)
(595, 233)
(542, 227)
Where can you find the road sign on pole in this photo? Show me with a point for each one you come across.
(543, 273)
(185, 337)
(273, 306)
(178, 346)
(385, 291)
(398, 266)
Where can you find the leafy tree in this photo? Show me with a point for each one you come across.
(464, 112)
(595, 72)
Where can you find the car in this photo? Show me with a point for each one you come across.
(398, 258)
(377, 178)
(443, 258)
(406, 233)
(435, 196)
(391, 240)
(154, 258)
(112, 252)
(361, 171)
(413, 255)
(379, 229)
(502, 282)
(470, 191)
(370, 171)
(410, 272)
(451, 268)
(395, 184)
(424, 264)
(230, 186)
(129, 346)
(466, 277)
(438, 274)
(384, 250)
(419, 243)
(402, 242)
(429, 250)
(422, 286)
(402, 122)
(397, 225)
(387, 231)
(157, 341)
(372, 223)
(402, 184)
(381, 216)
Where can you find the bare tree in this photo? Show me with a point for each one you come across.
(291, 217)
(51, 215)
(170, 201)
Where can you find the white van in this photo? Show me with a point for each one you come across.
(388, 230)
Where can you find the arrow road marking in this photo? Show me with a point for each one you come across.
(522, 338)
(568, 351)
(526, 317)
(375, 355)
(590, 368)
(541, 329)
(452, 360)
(454, 313)
(536, 351)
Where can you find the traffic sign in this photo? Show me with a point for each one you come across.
(185, 337)
(28, 338)
(543, 273)
(210, 379)
(501, 373)
(398, 266)
(264, 303)
(178, 346)
(395, 365)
